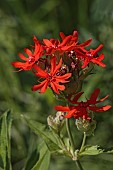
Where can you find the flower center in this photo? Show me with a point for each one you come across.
(89, 55)
(83, 104)
(49, 77)
(31, 59)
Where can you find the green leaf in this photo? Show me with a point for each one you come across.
(50, 138)
(95, 150)
(32, 154)
(91, 150)
(44, 158)
(31, 161)
(5, 130)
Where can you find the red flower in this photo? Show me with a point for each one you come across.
(67, 44)
(32, 57)
(91, 56)
(82, 109)
(74, 41)
(52, 79)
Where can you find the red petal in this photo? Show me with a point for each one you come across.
(22, 57)
(43, 89)
(70, 113)
(75, 99)
(62, 35)
(101, 100)
(94, 96)
(65, 40)
(101, 57)
(101, 109)
(86, 43)
(57, 87)
(104, 108)
(96, 61)
(57, 67)
(62, 108)
(41, 73)
(37, 49)
(86, 62)
(97, 49)
(75, 33)
(47, 42)
(35, 40)
(18, 64)
(53, 64)
(69, 47)
(42, 86)
(62, 78)
(28, 52)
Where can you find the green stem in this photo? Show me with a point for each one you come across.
(83, 142)
(78, 164)
(64, 146)
(70, 134)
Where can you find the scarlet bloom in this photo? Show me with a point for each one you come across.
(67, 44)
(82, 109)
(52, 78)
(75, 46)
(92, 56)
(32, 57)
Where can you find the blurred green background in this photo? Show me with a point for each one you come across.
(20, 20)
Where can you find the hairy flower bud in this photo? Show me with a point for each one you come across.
(86, 126)
(56, 122)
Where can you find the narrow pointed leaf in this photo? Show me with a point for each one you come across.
(5, 130)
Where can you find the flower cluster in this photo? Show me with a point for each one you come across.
(62, 65)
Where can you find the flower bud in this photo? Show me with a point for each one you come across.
(86, 126)
(56, 122)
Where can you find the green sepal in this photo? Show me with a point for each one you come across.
(86, 126)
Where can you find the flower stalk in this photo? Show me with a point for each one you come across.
(83, 142)
(78, 164)
(70, 135)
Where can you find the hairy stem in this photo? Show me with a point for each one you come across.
(83, 142)
(78, 164)
(70, 134)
